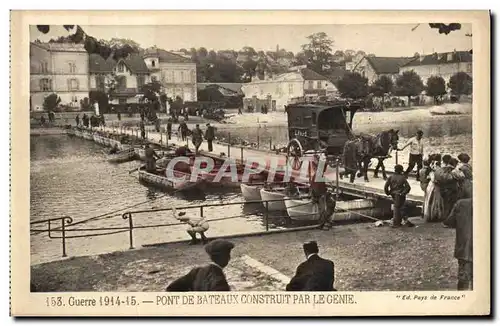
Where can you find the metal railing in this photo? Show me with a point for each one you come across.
(62, 225)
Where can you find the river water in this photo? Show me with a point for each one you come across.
(71, 177)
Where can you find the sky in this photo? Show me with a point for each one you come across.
(382, 40)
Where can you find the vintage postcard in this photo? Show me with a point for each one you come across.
(286, 163)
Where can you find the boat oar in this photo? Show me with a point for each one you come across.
(137, 168)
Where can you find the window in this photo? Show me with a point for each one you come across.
(74, 99)
(193, 76)
(153, 63)
(278, 89)
(73, 84)
(45, 85)
(44, 67)
(318, 84)
(72, 67)
(140, 81)
(100, 82)
(181, 76)
(290, 88)
(469, 67)
(121, 67)
(121, 83)
(310, 84)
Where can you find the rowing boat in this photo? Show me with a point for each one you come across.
(178, 181)
(123, 156)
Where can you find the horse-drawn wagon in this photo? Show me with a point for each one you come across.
(319, 127)
(326, 128)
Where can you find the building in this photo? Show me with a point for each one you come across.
(374, 67)
(228, 93)
(130, 74)
(176, 73)
(441, 64)
(299, 82)
(60, 68)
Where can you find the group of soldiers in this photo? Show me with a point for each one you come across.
(94, 121)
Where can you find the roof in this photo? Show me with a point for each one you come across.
(134, 62)
(234, 87)
(309, 74)
(441, 58)
(165, 56)
(61, 47)
(388, 65)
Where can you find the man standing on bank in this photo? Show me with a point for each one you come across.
(197, 138)
(209, 136)
(416, 153)
(315, 274)
(398, 187)
(210, 277)
(460, 218)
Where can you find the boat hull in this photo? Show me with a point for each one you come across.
(171, 184)
(250, 192)
(353, 210)
(123, 157)
(273, 195)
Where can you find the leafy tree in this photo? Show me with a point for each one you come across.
(318, 51)
(248, 50)
(353, 85)
(436, 87)
(50, 102)
(101, 98)
(104, 48)
(151, 91)
(382, 86)
(202, 52)
(460, 84)
(409, 84)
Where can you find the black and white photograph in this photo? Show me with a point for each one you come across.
(329, 157)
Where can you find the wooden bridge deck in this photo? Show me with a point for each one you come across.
(372, 189)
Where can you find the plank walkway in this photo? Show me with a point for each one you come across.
(373, 189)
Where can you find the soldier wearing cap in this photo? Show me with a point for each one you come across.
(209, 136)
(209, 277)
(315, 274)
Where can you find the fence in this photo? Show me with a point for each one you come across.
(64, 224)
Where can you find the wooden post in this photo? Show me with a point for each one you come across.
(397, 157)
(337, 178)
(271, 143)
(63, 237)
(258, 138)
(229, 146)
(267, 216)
(241, 148)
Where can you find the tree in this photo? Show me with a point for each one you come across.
(409, 84)
(353, 86)
(382, 86)
(104, 48)
(460, 84)
(50, 102)
(436, 87)
(446, 28)
(248, 50)
(318, 51)
(151, 91)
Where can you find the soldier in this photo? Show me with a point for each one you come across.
(197, 138)
(77, 120)
(169, 128)
(315, 274)
(210, 277)
(397, 187)
(196, 225)
(209, 136)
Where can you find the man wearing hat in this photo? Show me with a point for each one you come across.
(315, 274)
(210, 277)
(209, 136)
(197, 138)
(416, 152)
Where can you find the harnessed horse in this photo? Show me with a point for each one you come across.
(359, 152)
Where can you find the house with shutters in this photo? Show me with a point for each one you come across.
(278, 91)
(176, 73)
(60, 68)
(131, 74)
(441, 64)
(374, 67)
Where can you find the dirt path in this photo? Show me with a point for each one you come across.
(367, 258)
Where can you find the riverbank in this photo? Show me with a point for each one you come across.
(367, 258)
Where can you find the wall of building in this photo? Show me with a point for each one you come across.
(179, 79)
(443, 70)
(282, 91)
(365, 69)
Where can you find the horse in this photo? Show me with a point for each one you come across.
(359, 152)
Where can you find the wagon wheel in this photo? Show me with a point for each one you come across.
(295, 151)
